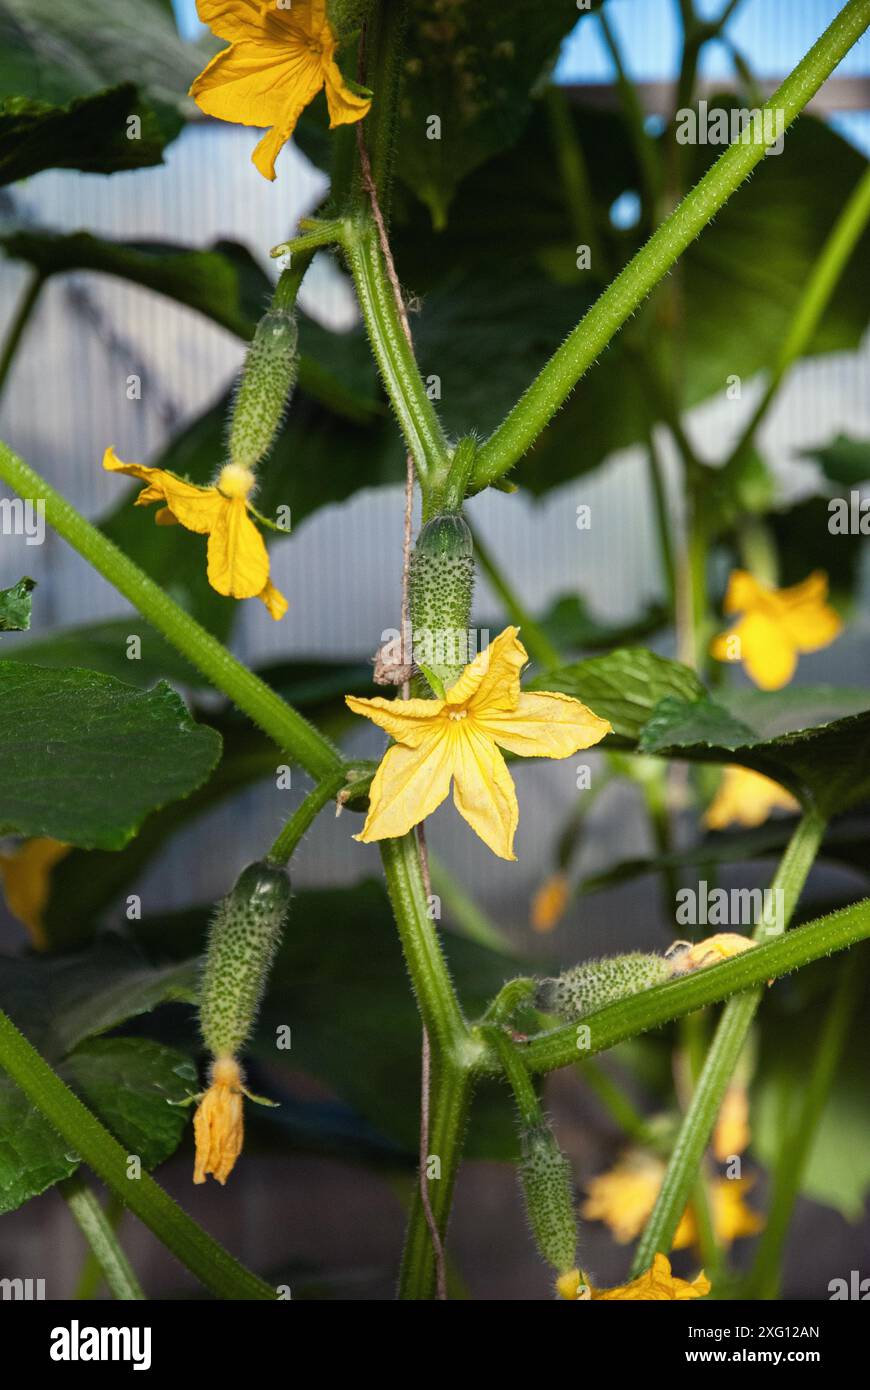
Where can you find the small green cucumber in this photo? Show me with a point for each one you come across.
(587, 987)
(264, 388)
(441, 584)
(242, 941)
(548, 1188)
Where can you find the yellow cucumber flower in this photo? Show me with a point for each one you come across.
(746, 798)
(457, 739)
(686, 957)
(657, 1284)
(624, 1199)
(238, 562)
(549, 902)
(26, 878)
(218, 1125)
(278, 59)
(776, 626)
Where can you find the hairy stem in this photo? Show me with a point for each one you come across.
(215, 1267)
(275, 717)
(102, 1240)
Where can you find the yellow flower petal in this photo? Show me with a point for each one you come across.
(710, 951)
(548, 904)
(572, 1287)
(658, 1284)
(238, 562)
(777, 625)
(218, 1124)
(408, 786)
(274, 600)
(624, 1197)
(407, 721)
(492, 680)
(746, 798)
(483, 792)
(277, 62)
(26, 878)
(544, 726)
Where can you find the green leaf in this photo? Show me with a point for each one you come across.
(223, 282)
(133, 1085)
(61, 1004)
(60, 1001)
(625, 686)
(87, 758)
(569, 625)
(804, 543)
(104, 647)
(15, 604)
(661, 708)
(128, 1082)
(55, 52)
(474, 65)
(844, 460)
(89, 134)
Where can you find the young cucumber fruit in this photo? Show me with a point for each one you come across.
(441, 584)
(267, 380)
(548, 1188)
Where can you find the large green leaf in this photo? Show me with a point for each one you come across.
(62, 1005)
(472, 66)
(15, 605)
(87, 758)
(105, 647)
(56, 52)
(659, 706)
(90, 134)
(844, 460)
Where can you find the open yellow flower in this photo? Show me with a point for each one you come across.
(549, 902)
(26, 878)
(657, 1284)
(777, 625)
(457, 739)
(238, 562)
(278, 59)
(745, 797)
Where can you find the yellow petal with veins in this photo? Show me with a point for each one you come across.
(544, 726)
(483, 791)
(408, 786)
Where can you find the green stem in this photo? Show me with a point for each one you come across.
(796, 1141)
(436, 997)
(213, 1266)
(91, 1276)
(518, 1077)
(26, 306)
(308, 241)
(574, 182)
(643, 147)
(415, 412)
(540, 647)
(561, 1047)
(824, 277)
(304, 817)
(620, 300)
(102, 1240)
(384, 43)
(724, 1053)
(274, 716)
(451, 1100)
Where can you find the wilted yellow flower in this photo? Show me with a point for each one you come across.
(218, 1125)
(686, 957)
(238, 562)
(732, 1133)
(549, 902)
(26, 878)
(746, 798)
(278, 59)
(624, 1199)
(776, 626)
(657, 1285)
(457, 739)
